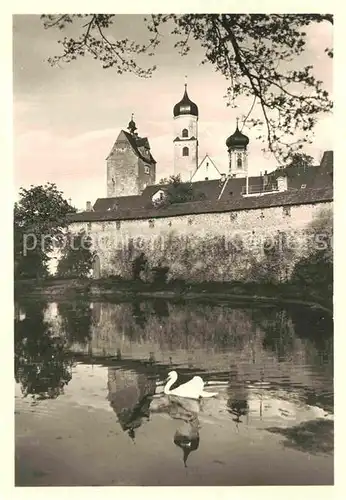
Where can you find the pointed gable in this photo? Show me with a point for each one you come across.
(139, 146)
(121, 144)
(207, 170)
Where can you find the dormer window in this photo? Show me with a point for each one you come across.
(185, 133)
(303, 186)
(146, 170)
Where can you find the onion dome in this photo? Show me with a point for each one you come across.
(237, 140)
(132, 125)
(185, 106)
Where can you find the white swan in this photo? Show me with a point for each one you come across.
(192, 389)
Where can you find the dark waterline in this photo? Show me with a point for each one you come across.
(94, 412)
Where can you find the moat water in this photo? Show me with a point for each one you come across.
(90, 408)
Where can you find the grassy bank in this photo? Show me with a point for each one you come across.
(111, 288)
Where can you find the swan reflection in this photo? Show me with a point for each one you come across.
(186, 411)
(187, 435)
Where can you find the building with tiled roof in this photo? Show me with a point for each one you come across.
(289, 183)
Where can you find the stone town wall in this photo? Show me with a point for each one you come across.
(208, 247)
(122, 172)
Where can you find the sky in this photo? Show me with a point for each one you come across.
(67, 118)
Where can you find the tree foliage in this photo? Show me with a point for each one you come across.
(177, 191)
(256, 53)
(300, 160)
(40, 219)
(315, 270)
(77, 256)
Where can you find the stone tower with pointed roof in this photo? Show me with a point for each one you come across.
(130, 164)
(185, 141)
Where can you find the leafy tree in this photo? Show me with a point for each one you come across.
(77, 256)
(42, 363)
(177, 191)
(300, 160)
(40, 219)
(315, 270)
(258, 54)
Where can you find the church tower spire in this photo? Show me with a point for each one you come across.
(185, 114)
(132, 126)
(237, 151)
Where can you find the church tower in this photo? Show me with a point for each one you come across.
(237, 151)
(185, 115)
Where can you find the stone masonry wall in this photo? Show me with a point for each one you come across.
(122, 172)
(246, 245)
(145, 179)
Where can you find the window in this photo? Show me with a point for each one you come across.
(118, 224)
(151, 223)
(161, 195)
(287, 211)
(113, 181)
(146, 170)
(239, 162)
(185, 133)
(233, 216)
(185, 151)
(303, 186)
(189, 221)
(89, 226)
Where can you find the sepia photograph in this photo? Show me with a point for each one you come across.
(173, 249)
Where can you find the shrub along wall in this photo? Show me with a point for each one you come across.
(260, 245)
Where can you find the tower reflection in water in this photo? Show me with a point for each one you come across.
(132, 396)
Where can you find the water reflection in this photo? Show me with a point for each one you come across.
(237, 402)
(187, 435)
(134, 396)
(271, 357)
(43, 365)
(76, 320)
(130, 394)
(313, 436)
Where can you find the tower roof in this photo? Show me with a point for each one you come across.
(185, 106)
(237, 140)
(132, 125)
